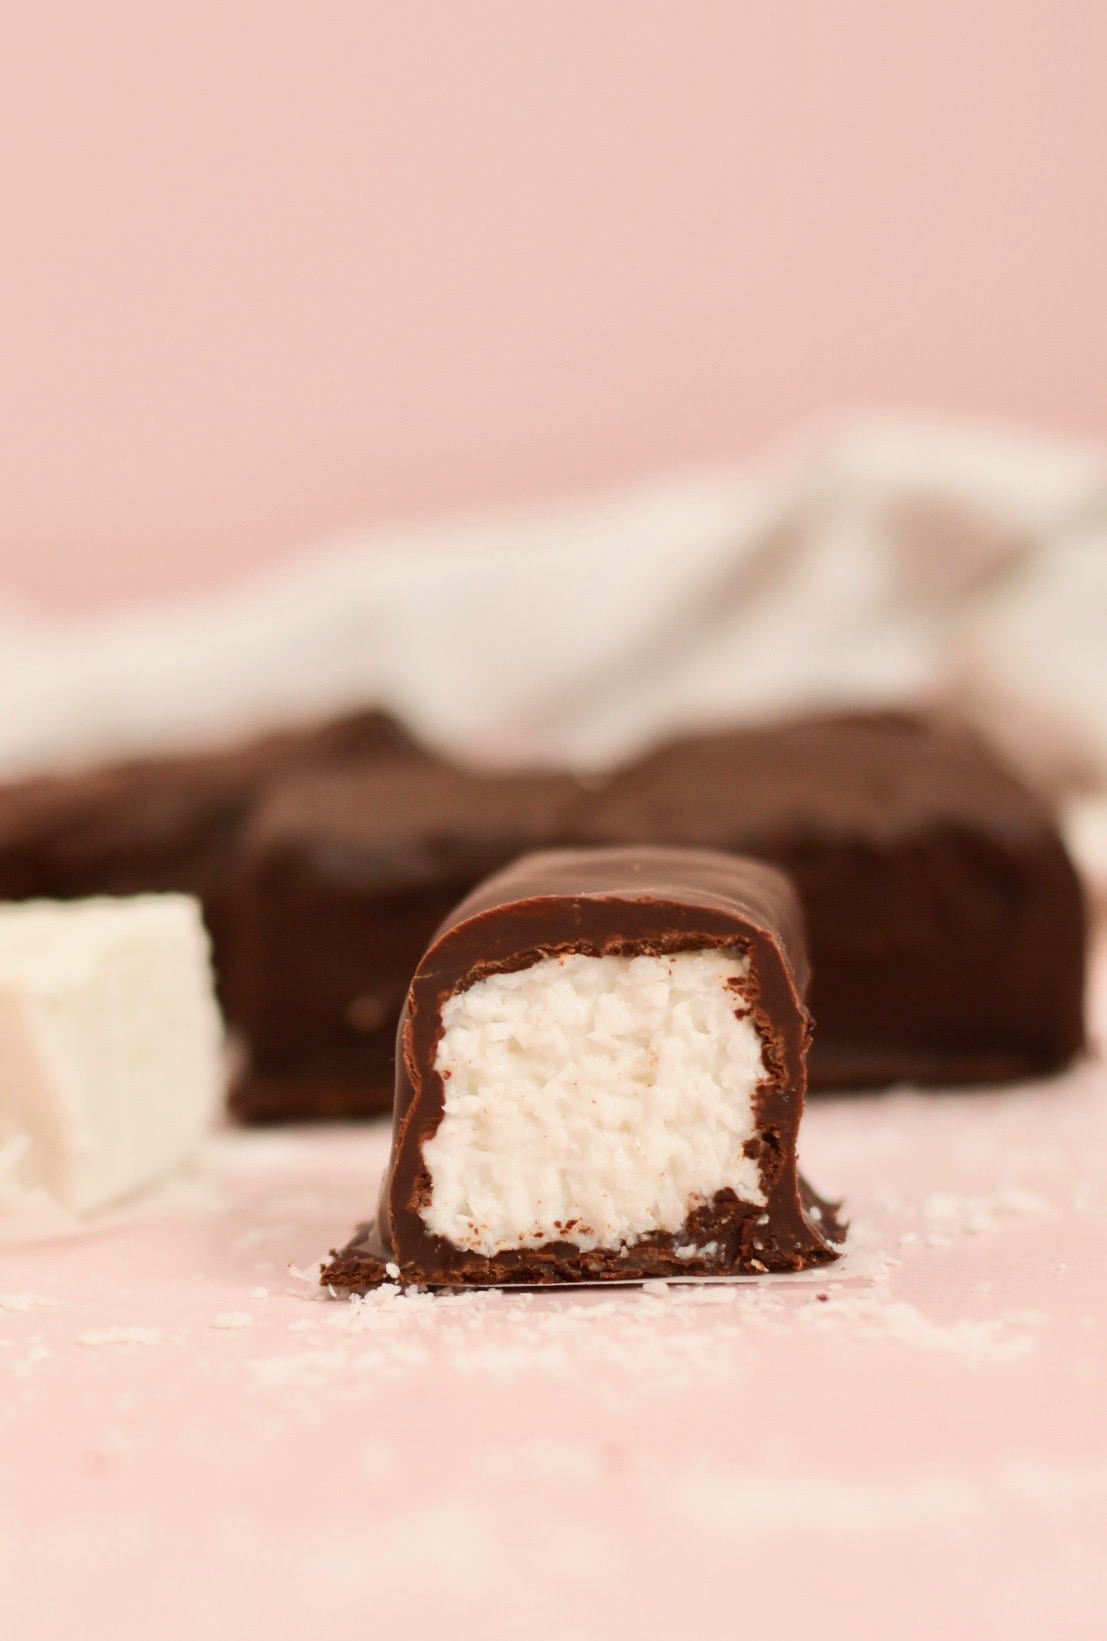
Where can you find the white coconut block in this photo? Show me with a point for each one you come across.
(110, 1046)
(593, 1100)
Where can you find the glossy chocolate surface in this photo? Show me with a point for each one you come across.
(609, 902)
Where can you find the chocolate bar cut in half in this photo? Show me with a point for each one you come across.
(945, 921)
(600, 1076)
(344, 878)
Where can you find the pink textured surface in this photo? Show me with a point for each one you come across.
(924, 1451)
(269, 268)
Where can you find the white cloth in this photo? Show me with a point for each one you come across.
(890, 562)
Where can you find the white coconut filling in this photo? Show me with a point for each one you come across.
(593, 1100)
(110, 1046)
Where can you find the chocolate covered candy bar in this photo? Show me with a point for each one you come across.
(945, 920)
(600, 1076)
(345, 877)
(165, 823)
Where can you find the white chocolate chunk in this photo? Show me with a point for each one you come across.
(110, 1046)
(593, 1100)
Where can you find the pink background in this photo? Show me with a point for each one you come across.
(270, 268)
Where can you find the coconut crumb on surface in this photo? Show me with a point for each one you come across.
(29, 1301)
(132, 1335)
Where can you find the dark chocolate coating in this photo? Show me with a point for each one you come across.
(165, 823)
(608, 902)
(345, 878)
(945, 920)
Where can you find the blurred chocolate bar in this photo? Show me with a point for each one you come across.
(345, 877)
(165, 823)
(945, 921)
